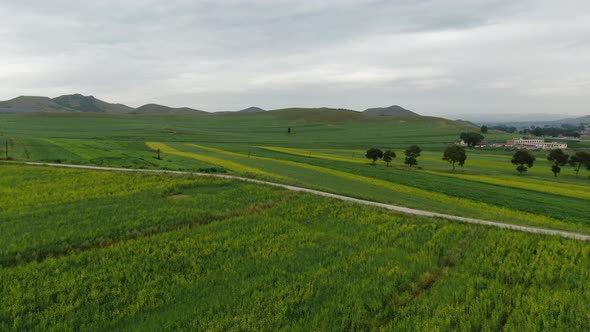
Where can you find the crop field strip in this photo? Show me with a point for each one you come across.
(32, 208)
(563, 189)
(530, 229)
(527, 196)
(363, 170)
(294, 261)
(236, 167)
(326, 186)
(492, 163)
(427, 198)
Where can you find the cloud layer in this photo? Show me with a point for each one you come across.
(434, 57)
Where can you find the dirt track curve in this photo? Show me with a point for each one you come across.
(402, 209)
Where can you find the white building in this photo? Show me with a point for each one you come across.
(535, 143)
(554, 145)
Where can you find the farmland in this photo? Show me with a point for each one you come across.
(84, 249)
(325, 151)
(140, 251)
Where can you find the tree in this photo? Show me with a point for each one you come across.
(523, 159)
(388, 156)
(374, 154)
(289, 130)
(484, 129)
(455, 154)
(472, 139)
(412, 153)
(559, 158)
(581, 158)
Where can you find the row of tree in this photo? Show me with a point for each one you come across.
(552, 131)
(577, 161)
(456, 155)
(524, 159)
(566, 130)
(412, 153)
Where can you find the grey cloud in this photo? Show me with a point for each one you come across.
(435, 57)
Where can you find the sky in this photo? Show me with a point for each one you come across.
(469, 58)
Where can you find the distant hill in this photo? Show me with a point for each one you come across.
(161, 109)
(33, 104)
(65, 103)
(466, 123)
(576, 121)
(394, 110)
(82, 103)
(252, 109)
(327, 115)
(529, 123)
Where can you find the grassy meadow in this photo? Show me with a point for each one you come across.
(152, 252)
(95, 250)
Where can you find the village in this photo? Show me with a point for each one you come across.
(522, 143)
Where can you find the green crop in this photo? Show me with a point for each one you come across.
(182, 253)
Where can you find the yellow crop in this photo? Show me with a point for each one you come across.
(231, 165)
(544, 186)
(492, 211)
(313, 154)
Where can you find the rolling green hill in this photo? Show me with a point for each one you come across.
(394, 110)
(252, 109)
(82, 103)
(34, 103)
(161, 109)
(65, 103)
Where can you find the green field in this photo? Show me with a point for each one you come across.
(93, 250)
(324, 151)
(153, 252)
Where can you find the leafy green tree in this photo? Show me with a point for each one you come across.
(412, 153)
(388, 156)
(559, 158)
(484, 129)
(374, 154)
(523, 159)
(472, 139)
(455, 154)
(579, 159)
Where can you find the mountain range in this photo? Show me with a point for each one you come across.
(80, 103)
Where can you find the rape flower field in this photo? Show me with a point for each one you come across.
(442, 195)
(105, 250)
(96, 250)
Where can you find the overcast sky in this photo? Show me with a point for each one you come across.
(434, 57)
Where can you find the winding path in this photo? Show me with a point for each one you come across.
(402, 209)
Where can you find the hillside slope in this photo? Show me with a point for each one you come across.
(82, 103)
(576, 121)
(394, 110)
(33, 103)
(161, 109)
(252, 109)
(66, 103)
(325, 115)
